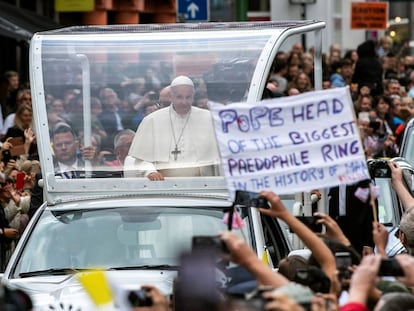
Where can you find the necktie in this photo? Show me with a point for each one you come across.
(70, 173)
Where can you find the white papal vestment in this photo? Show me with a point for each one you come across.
(162, 131)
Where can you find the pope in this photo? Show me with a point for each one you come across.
(177, 140)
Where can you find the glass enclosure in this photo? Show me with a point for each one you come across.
(97, 90)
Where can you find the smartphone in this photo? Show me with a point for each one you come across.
(311, 222)
(390, 267)
(6, 156)
(250, 199)
(209, 243)
(109, 157)
(343, 262)
(20, 181)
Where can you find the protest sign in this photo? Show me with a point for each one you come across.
(290, 144)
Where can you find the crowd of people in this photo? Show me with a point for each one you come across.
(381, 82)
(380, 79)
(317, 281)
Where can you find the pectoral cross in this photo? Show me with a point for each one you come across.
(175, 152)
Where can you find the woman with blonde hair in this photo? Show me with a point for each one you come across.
(301, 82)
(23, 128)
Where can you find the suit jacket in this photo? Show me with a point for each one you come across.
(77, 173)
(357, 223)
(109, 123)
(80, 171)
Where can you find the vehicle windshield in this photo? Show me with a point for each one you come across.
(117, 238)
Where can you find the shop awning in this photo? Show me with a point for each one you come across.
(21, 24)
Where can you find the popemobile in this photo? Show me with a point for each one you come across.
(104, 211)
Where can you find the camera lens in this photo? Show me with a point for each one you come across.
(139, 298)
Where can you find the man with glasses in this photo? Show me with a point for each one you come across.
(392, 87)
(66, 149)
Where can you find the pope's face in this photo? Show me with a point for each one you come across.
(182, 97)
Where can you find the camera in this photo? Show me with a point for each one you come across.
(379, 168)
(139, 298)
(314, 278)
(209, 243)
(250, 199)
(390, 267)
(375, 125)
(152, 96)
(255, 300)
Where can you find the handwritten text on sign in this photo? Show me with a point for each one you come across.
(290, 144)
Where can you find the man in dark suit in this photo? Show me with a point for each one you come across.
(110, 117)
(67, 163)
(353, 215)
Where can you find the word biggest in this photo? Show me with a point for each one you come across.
(258, 116)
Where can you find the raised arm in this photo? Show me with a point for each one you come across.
(318, 248)
(243, 254)
(362, 282)
(398, 185)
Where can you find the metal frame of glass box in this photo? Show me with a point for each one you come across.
(58, 57)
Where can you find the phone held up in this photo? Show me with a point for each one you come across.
(390, 267)
(250, 199)
(311, 222)
(20, 181)
(343, 262)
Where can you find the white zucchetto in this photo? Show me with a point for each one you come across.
(182, 80)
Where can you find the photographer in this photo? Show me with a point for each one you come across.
(276, 292)
(365, 278)
(363, 282)
(320, 251)
(243, 255)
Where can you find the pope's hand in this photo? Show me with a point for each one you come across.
(154, 176)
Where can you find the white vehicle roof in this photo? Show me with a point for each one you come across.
(234, 57)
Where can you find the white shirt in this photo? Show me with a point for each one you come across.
(64, 169)
(8, 123)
